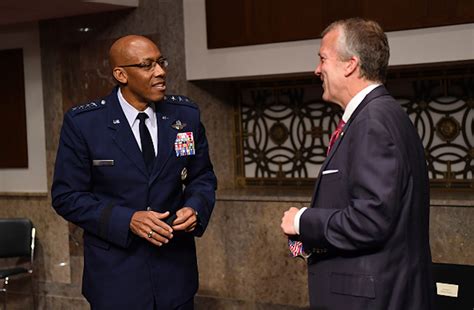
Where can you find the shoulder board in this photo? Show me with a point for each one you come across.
(91, 106)
(182, 100)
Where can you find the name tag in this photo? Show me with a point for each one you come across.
(102, 162)
(446, 289)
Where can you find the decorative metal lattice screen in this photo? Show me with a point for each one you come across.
(284, 127)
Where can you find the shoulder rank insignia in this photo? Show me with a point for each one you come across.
(179, 100)
(178, 125)
(87, 107)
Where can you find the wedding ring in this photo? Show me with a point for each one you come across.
(150, 234)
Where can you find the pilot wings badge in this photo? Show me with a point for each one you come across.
(178, 125)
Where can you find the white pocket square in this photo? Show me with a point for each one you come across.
(330, 171)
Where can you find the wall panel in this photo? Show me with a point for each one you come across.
(13, 137)
(249, 22)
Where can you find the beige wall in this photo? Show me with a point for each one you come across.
(33, 178)
(436, 44)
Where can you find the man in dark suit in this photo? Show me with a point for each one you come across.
(133, 171)
(366, 230)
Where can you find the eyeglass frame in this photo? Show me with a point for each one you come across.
(162, 62)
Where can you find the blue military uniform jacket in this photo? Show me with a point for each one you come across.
(101, 179)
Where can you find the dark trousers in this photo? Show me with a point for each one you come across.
(189, 305)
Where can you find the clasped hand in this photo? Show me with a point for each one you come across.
(151, 225)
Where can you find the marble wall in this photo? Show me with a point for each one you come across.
(243, 258)
(451, 229)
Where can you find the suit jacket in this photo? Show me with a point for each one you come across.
(368, 224)
(101, 180)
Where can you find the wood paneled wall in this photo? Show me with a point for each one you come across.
(248, 22)
(13, 139)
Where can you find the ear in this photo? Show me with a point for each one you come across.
(351, 66)
(120, 75)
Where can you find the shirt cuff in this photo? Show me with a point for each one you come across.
(296, 220)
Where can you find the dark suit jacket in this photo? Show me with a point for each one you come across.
(101, 180)
(369, 218)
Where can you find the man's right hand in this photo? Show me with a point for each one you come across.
(150, 226)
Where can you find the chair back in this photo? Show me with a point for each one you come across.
(16, 237)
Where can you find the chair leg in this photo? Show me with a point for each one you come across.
(33, 296)
(4, 299)
(4, 290)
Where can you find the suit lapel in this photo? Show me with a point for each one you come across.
(122, 134)
(166, 139)
(377, 92)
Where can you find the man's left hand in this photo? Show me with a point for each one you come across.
(287, 221)
(186, 219)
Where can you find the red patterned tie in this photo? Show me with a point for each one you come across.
(335, 134)
(296, 247)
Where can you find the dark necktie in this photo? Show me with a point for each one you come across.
(147, 144)
(335, 134)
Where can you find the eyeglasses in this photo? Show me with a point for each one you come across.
(150, 65)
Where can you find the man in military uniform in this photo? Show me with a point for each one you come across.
(133, 171)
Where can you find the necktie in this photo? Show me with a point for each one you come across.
(335, 134)
(147, 144)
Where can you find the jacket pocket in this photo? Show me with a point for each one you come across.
(353, 284)
(95, 241)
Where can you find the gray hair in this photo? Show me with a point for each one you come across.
(366, 40)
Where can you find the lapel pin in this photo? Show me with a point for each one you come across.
(116, 121)
(184, 174)
(178, 125)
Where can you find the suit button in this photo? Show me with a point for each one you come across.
(148, 208)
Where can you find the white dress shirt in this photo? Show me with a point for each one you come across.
(131, 114)
(350, 108)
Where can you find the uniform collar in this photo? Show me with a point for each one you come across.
(131, 113)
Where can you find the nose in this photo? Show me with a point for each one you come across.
(317, 72)
(158, 70)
